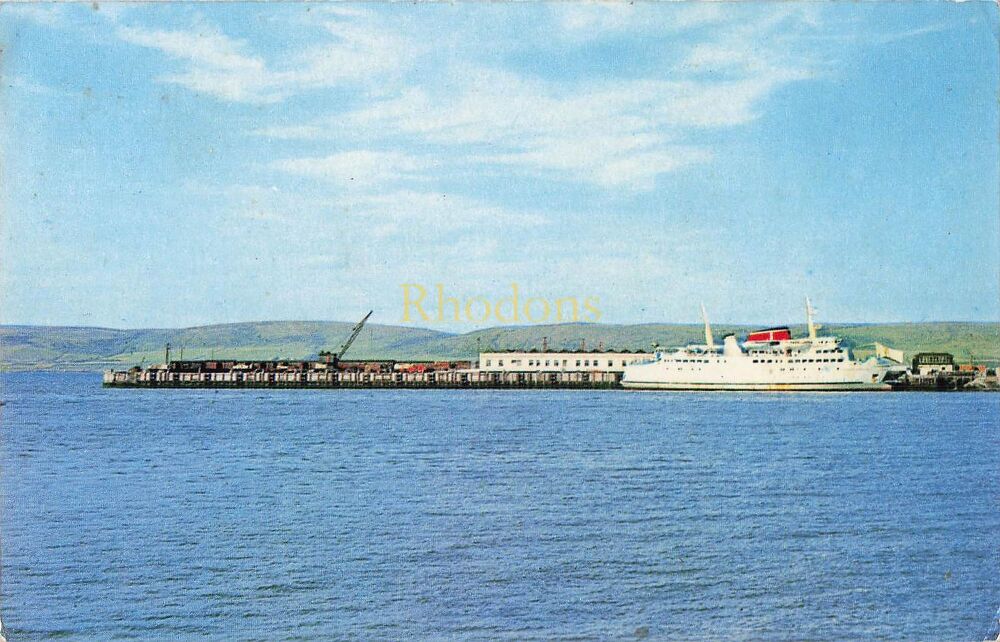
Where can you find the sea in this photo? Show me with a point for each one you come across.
(132, 514)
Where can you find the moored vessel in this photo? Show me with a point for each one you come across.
(766, 360)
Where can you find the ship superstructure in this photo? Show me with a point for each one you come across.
(768, 359)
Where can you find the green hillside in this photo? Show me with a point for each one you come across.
(70, 348)
(61, 348)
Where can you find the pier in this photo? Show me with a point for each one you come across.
(389, 374)
(308, 375)
(581, 369)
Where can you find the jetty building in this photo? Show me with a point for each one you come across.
(532, 361)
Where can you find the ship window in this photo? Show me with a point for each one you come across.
(546, 362)
(610, 363)
(488, 362)
(578, 362)
(623, 362)
(500, 362)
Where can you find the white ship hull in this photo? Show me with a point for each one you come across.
(785, 365)
(769, 360)
(720, 373)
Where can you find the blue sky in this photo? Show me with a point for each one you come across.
(172, 165)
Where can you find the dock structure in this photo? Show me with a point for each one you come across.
(505, 369)
(502, 369)
(371, 375)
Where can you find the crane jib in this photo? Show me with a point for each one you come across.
(354, 335)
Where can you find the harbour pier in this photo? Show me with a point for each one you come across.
(317, 375)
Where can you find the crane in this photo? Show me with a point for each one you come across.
(334, 357)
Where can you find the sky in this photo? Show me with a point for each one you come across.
(168, 165)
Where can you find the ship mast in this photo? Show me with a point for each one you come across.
(709, 341)
(810, 311)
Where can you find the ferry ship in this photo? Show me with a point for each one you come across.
(768, 359)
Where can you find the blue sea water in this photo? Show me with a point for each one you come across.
(604, 515)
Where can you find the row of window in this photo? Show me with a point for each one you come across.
(555, 363)
(799, 360)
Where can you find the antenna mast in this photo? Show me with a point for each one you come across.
(809, 319)
(709, 340)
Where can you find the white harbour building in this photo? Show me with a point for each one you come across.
(559, 361)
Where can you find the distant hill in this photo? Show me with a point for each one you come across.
(68, 348)
(78, 348)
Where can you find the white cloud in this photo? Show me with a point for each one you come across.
(292, 132)
(641, 169)
(218, 65)
(621, 133)
(46, 15)
(409, 209)
(913, 33)
(223, 67)
(592, 20)
(370, 208)
(384, 192)
(358, 52)
(361, 167)
(763, 46)
(614, 134)
(611, 133)
(27, 85)
(609, 161)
